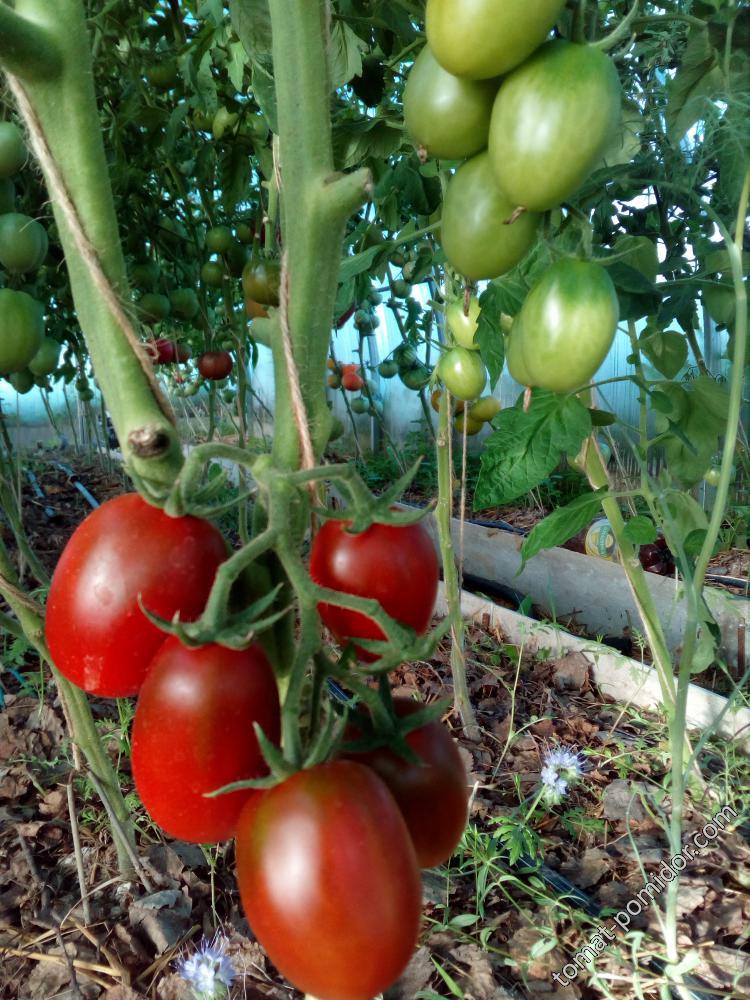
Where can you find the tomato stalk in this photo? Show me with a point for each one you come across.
(443, 515)
(47, 47)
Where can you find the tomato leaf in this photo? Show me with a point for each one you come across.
(489, 334)
(640, 530)
(526, 446)
(562, 524)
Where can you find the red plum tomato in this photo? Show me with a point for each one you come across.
(329, 881)
(395, 565)
(193, 733)
(432, 795)
(98, 636)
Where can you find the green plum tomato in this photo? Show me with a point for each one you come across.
(219, 239)
(478, 240)
(23, 243)
(193, 733)
(463, 327)
(569, 321)
(462, 372)
(46, 359)
(552, 119)
(329, 880)
(483, 38)
(12, 149)
(447, 115)
(21, 329)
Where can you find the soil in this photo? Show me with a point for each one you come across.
(512, 936)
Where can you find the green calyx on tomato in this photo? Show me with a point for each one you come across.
(463, 326)
(395, 565)
(261, 278)
(193, 733)
(551, 122)
(462, 373)
(98, 636)
(568, 323)
(21, 329)
(478, 238)
(479, 39)
(446, 115)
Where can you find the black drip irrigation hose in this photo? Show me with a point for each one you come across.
(74, 478)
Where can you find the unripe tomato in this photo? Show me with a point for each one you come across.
(184, 302)
(163, 75)
(481, 38)
(463, 327)
(477, 239)
(485, 409)
(329, 881)
(215, 365)
(126, 551)
(514, 353)
(462, 372)
(12, 149)
(569, 321)
(22, 381)
(212, 273)
(21, 329)
(146, 275)
(416, 377)
(219, 239)
(552, 119)
(153, 308)
(432, 794)
(46, 359)
(395, 565)
(23, 243)
(261, 278)
(193, 733)
(464, 419)
(447, 115)
(388, 368)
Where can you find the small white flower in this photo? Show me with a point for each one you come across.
(210, 971)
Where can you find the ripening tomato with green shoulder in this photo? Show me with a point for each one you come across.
(432, 793)
(569, 322)
(552, 120)
(123, 555)
(445, 114)
(478, 39)
(462, 372)
(396, 565)
(329, 881)
(477, 234)
(193, 734)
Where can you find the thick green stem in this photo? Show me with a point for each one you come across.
(443, 514)
(77, 709)
(65, 116)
